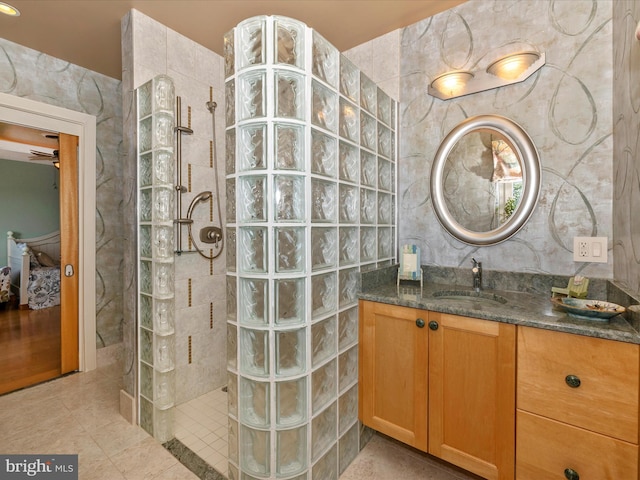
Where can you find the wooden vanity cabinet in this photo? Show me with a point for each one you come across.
(458, 370)
(577, 407)
(472, 367)
(393, 374)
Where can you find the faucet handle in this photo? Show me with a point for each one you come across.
(477, 267)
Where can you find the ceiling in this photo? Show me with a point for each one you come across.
(87, 32)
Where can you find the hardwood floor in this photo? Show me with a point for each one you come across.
(29, 346)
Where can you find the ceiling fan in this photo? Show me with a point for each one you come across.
(46, 154)
(42, 155)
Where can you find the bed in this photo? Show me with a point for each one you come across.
(35, 269)
(5, 284)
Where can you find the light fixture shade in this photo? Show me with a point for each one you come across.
(452, 83)
(9, 10)
(512, 66)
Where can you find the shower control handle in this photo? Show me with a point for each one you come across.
(210, 234)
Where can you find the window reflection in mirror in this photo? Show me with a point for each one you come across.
(482, 181)
(474, 174)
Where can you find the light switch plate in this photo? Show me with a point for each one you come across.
(590, 249)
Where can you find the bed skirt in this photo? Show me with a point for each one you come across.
(44, 287)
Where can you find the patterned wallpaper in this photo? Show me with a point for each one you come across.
(565, 107)
(30, 74)
(626, 145)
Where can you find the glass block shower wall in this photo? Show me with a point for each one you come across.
(310, 162)
(156, 335)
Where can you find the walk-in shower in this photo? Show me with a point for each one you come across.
(310, 196)
(178, 324)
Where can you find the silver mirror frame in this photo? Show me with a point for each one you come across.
(526, 151)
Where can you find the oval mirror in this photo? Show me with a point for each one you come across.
(485, 180)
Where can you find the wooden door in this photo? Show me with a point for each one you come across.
(393, 372)
(68, 156)
(472, 394)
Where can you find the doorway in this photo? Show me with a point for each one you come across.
(27, 112)
(39, 322)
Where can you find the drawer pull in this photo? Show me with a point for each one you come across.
(420, 323)
(433, 325)
(574, 382)
(571, 474)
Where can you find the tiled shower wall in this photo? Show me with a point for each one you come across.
(30, 74)
(310, 162)
(379, 59)
(151, 49)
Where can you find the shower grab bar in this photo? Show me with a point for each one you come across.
(180, 189)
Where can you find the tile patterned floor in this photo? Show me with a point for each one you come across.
(387, 459)
(201, 425)
(79, 414)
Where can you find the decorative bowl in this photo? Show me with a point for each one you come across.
(588, 309)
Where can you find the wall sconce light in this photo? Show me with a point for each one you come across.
(452, 83)
(507, 70)
(512, 66)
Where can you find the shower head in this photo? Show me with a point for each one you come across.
(201, 197)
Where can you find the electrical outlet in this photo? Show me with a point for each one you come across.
(590, 249)
(583, 249)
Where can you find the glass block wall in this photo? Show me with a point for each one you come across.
(156, 335)
(310, 162)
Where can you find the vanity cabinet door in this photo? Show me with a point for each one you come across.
(472, 368)
(393, 371)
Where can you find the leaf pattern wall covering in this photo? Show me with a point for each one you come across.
(565, 107)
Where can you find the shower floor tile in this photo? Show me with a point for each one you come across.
(201, 425)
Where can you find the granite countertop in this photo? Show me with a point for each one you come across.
(533, 309)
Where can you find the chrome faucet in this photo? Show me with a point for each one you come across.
(477, 274)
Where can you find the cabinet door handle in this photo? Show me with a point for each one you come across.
(420, 323)
(574, 382)
(433, 325)
(571, 474)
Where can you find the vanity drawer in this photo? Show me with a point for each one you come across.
(587, 382)
(546, 448)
